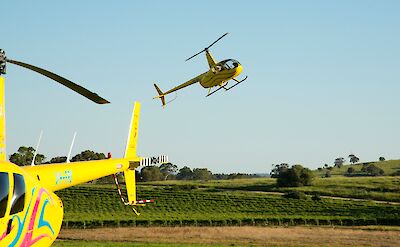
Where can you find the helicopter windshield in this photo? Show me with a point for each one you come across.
(230, 64)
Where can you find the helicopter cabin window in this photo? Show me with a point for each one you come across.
(18, 198)
(4, 191)
(231, 64)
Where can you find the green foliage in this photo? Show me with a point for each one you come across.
(339, 162)
(372, 170)
(396, 173)
(88, 155)
(278, 169)
(316, 197)
(185, 173)
(295, 176)
(202, 174)
(350, 170)
(90, 206)
(295, 195)
(168, 169)
(353, 158)
(151, 173)
(58, 159)
(388, 166)
(24, 156)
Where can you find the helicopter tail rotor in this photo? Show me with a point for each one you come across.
(205, 49)
(161, 95)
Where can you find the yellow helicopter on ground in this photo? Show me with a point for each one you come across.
(30, 212)
(218, 75)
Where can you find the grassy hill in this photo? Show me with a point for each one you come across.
(388, 166)
(230, 202)
(383, 188)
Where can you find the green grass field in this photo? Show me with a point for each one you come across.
(389, 167)
(234, 202)
(384, 188)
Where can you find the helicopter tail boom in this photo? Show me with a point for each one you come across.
(161, 95)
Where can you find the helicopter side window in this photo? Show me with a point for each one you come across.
(226, 65)
(18, 198)
(4, 191)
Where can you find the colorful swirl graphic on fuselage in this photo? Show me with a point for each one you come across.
(28, 237)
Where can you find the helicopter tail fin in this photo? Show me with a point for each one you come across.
(161, 95)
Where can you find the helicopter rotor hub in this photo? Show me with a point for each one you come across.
(3, 60)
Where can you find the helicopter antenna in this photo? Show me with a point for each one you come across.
(206, 49)
(69, 84)
(37, 147)
(70, 147)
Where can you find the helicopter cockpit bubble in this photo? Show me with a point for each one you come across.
(230, 64)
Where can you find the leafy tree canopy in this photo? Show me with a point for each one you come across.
(185, 173)
(24, 156)
(151, 173)
(88, 155)
(168, 169)
(295, 176)
(201, 174)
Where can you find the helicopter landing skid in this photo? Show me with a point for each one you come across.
(226, 89)
(237, 83)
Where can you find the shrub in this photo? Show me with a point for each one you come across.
(316, 197)
(295, 176)
(372, 170)
(396, 173)
(295, 195)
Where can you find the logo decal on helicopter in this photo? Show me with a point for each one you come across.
(64, 177)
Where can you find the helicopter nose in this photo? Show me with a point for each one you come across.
(238, 70)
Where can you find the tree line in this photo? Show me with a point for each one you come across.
(166, 171)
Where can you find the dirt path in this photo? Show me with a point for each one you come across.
(242, 236)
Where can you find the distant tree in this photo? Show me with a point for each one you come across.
(326, 166)
(328, 174)
(220, 176)
(319, 169)
(339, 162)
(277, 169)
(381, 158)
(88, 155)
(201, 174)
(184, 173)
(240, 175)
(58, 159)
(168, 169)
(396, 173)
(151, 173)
(353, 158)
(372, 170)
(24, 156)
(295, 176)
(351, 170)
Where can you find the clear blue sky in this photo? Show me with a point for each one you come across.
(323, 79)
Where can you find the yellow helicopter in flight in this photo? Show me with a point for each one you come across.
(218, 75)
(31, 213)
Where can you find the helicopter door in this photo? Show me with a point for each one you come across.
(18, 198)
(4, 193)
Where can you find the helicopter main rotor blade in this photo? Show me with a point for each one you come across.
(216, 41)
(194, 55)
(205, 49)
(69, 84)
